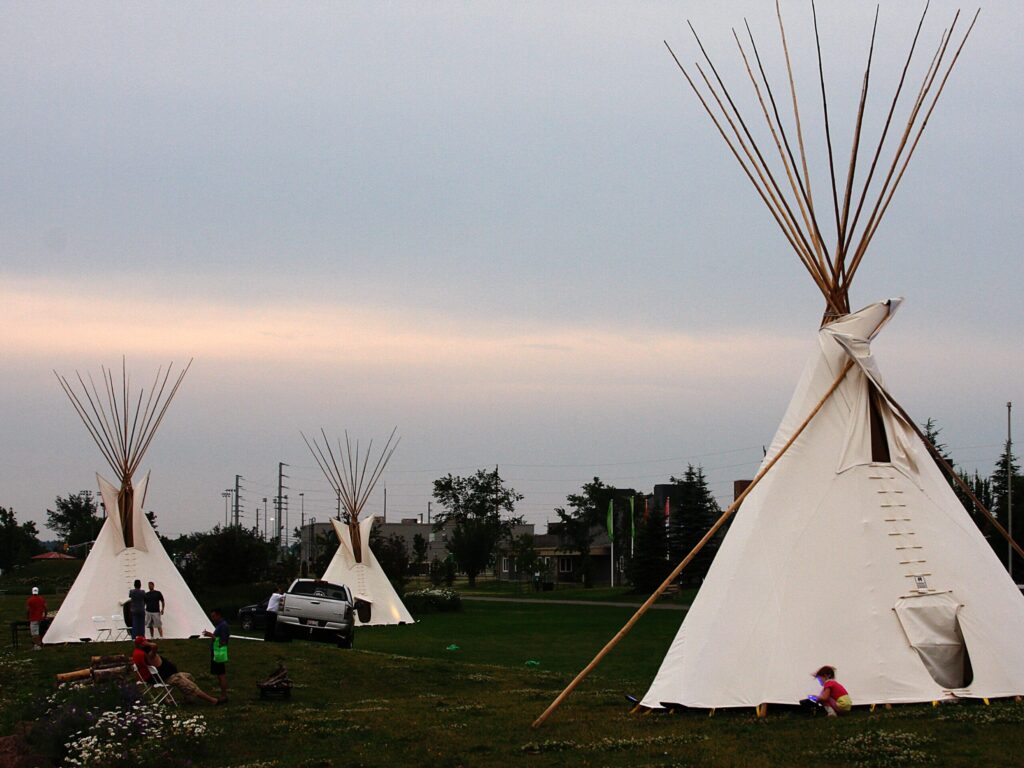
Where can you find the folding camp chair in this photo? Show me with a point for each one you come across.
(156, 690)
(119, 631)
(100, 622)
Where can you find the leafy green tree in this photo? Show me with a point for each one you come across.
(522, 554)
(577, 526)
(324, 547)
(75, 520)
(393, 555)
(18, 542)
(693, 517)
(233, 555)
(474, 507)
(650, 564)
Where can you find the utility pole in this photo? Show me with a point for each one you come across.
(428, 513)
(279, 501)
(287, 524)
(226, 494)
(1009, 485)
(266, 520)
(302, 524)
(238, 479)
(385, 503)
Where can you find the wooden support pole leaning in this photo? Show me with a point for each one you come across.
(693, 553)
(955, 477)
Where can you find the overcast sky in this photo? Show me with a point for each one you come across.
(506, 228)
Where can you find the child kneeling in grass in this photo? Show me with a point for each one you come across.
(833, 697)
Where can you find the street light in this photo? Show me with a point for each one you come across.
(302, 524)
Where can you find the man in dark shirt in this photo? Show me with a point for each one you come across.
(137, 600)
(154, 610)
(219, 651)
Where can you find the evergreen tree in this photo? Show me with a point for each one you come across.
(980, 487)
(690, 519)
(1007, 472)
(650, 564)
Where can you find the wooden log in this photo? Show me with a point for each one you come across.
(78, 674)
(110, 673)
(103, 661)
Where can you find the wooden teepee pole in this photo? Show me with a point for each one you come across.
(955, 476)
(693, 553)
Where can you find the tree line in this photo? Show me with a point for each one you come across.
(477, 517)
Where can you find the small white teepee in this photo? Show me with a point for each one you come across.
(127, 548)
(365, 577)
(354, 564)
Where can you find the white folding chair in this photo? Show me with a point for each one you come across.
(100, 622)
(157, 690)
(119, 631)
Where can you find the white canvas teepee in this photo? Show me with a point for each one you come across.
(93, 607)
(354, 564)
(854, 552)
(127, 548)
(849, 548)
(365, 577)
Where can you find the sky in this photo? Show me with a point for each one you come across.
(507, 229)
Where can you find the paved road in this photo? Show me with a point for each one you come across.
(538, 601)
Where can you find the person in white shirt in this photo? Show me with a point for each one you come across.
(273, 605)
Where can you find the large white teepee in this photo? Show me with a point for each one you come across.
(93, 606)
(127, 548)
(354, 564)
(849, 547)
(852, 551)
(365, 577)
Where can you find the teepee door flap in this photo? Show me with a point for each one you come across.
(932, 626)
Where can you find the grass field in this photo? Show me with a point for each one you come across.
(402, 698)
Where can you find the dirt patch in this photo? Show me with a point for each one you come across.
(15, 751)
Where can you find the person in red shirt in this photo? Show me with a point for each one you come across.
(833, 697)
(139, 658)
(36, 608)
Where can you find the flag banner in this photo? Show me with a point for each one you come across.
(632, 517)
(666, 507)
(646, 510)
(611, 518)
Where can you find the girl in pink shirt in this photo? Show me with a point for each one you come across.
(833, 697)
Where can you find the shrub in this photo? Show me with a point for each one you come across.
(433, 600)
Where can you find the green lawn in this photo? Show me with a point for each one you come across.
(401, 698)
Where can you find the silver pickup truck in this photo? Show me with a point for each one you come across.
(317, 610)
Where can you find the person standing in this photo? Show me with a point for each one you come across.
(36, 609)
(154, 611)
(219, 651)
(273, 606)
(137, 606)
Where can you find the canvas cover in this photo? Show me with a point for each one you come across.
(367, 579)
(110, 570)
(825, 548)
